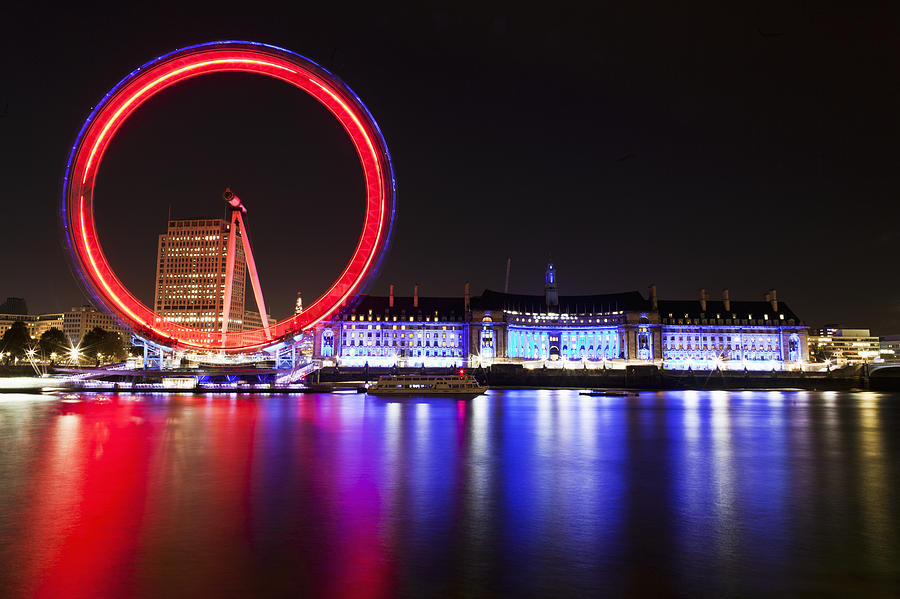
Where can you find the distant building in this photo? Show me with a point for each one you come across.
(592, 331)
(252, 320)
(37, 323)
(7, 320)
(844, 346)
(74, 323)
(190, 276)
(14, 305)
(889, 348)
(82, 319)
(44, 322)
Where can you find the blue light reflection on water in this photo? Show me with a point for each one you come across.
(516, 493)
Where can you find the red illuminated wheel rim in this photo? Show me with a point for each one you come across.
(222, 57)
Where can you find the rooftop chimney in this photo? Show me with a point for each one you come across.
(506, 284)
(391, 297)
(726, 300)
(703, 297)
(774, 301)
(654, 303)
(416, 296)
(466, 298)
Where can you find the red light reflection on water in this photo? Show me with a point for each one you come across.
(135, 498)
(88, 502)
(363, 567)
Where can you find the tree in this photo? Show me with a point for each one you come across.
(114, 346)
(103, 342)
(16, 340)
(821, 354)
(91, 344)
(53, 341)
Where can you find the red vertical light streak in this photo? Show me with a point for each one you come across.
(364, 561)
(83, 533)
(201, 498)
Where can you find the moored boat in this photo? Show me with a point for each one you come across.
(609, 393)
(463, 386)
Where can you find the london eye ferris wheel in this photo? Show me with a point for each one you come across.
(137, 87)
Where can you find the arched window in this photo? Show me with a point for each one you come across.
(487, 339)
(327, 343)
(794, 348)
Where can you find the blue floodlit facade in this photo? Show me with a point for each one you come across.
(590, 331)
(741, 335)
(534, 343)
(403, 331)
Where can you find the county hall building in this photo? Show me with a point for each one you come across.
(588, 331)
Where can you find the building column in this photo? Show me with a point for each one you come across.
(657, 344)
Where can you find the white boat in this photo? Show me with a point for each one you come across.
(462, 386)
(609, 393)
(31, 384)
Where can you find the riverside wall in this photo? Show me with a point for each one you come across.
(643, 377)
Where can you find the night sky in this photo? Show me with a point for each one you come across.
(714, 147)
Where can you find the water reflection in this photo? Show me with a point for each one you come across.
(874, 493)
(517, 493)
(86, 502)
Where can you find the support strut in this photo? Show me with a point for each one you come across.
(236, 227)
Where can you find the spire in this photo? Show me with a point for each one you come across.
(550, 291)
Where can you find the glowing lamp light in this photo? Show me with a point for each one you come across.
(218, 57)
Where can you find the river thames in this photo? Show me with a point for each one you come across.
(513, 494)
